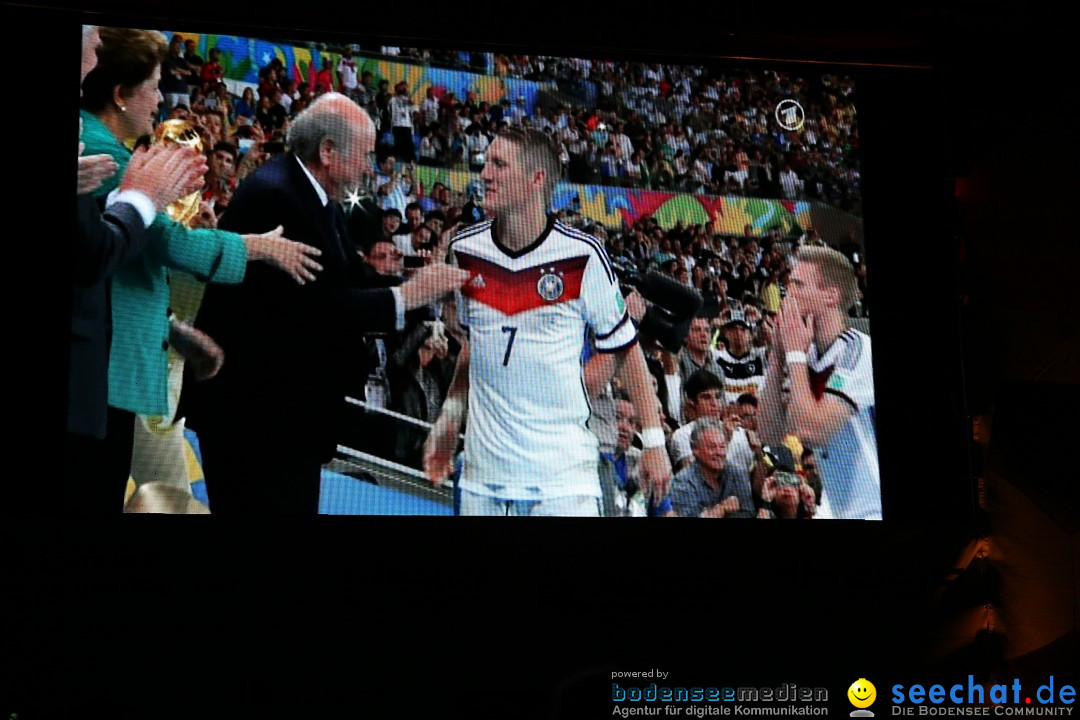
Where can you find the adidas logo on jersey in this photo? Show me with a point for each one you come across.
(477, 281)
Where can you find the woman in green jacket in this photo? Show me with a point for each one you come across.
(120, 103)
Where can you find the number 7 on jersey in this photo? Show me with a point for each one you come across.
(509, 343)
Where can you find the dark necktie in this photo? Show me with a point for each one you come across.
(341, 233)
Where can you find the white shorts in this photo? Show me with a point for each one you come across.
(470, 503)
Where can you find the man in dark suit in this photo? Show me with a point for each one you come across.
(267, 422)
(102, 243)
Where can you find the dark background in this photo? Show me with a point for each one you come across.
(969, 153)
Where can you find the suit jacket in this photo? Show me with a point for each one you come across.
(289, 349)
(103, 243)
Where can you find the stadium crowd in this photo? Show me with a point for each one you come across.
(685, 129)
(643, 125)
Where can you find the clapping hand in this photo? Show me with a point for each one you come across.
(94, 170)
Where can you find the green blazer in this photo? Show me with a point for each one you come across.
(138, 355)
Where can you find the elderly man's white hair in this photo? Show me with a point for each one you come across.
(326, 118)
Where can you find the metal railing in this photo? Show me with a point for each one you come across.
(388, 473)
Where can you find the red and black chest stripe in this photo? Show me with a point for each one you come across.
(512, 292)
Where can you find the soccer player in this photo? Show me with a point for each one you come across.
(538, 287)
(827, 399)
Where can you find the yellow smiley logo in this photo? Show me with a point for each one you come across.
(862, 693)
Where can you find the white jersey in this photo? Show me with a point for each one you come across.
(849, 460)
(528, 313)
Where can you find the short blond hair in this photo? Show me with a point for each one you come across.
(539, 151)
(835, 271)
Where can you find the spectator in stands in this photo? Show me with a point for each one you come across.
(324, 78)
(246, 107)
(391, 189)
(627, 499)
(212, 73)
(742, 363)
(790, 183)
(476, 143)
(697, 353)
(420, 372)
(418, 242)
(288, 96)
(429, 147)
(391, 223)
(786, 501)
(704, 399)
(194, 63)
(222, 169)
(348, 80)
(174, 75)
(214, 122)
(401, 120)
(707, 487)
(414, 218)
(180, 112)
(383, 257)
(271, 116)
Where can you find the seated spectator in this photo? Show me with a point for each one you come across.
(707, 487)
(246, 107)
(179, 112)
(420, 373)
(225, 106)
(629, 500)
(221, 177)
(288, 96)
(704, 393)
(786, 494)
(419, 242)
(414, 218)
(271, 116)
(476, 143)
(435, 220)
(391, 224)
(384, 261)
(438, 199)
(429, 147)
(214, 122)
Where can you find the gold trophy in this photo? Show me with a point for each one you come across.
(163, 463)
(181, 132)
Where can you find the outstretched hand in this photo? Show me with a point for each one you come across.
(94, 170)
(431, 282)
(295, 258)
